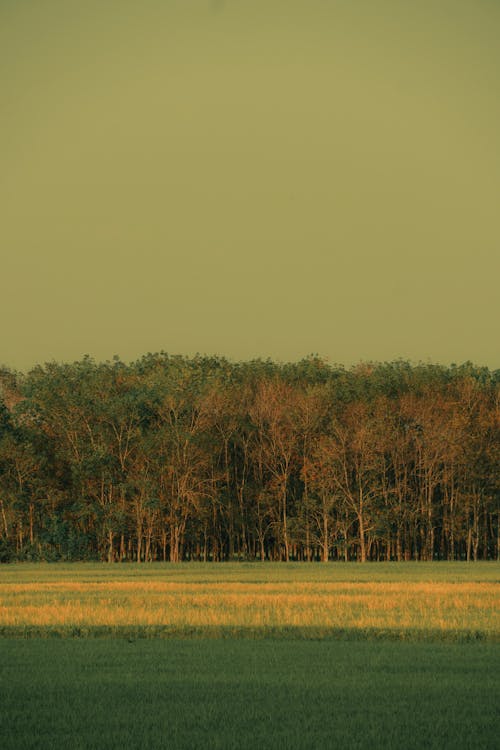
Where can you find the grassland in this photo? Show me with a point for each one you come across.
(254, 572)
(436, 601)
(250, 656)
(190, 694)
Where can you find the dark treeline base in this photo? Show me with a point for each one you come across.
(171, 458)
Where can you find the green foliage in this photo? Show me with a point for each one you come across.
(199, 458)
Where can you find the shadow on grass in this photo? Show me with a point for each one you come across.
(136, 632)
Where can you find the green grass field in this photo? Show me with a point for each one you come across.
(192, 694)
(254, 572)
(328, 666)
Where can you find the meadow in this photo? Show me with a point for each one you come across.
(249, 656)
(416, 601)
(237, 693)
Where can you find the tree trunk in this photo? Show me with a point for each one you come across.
(325, 549)
(362, 541)
(111, 554)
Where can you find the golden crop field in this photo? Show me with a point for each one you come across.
(402, 605)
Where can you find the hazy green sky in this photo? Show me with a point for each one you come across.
(250, 178)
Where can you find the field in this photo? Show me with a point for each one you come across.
(106, 694)
(416, 601)
(249, 655)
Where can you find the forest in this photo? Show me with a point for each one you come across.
(174, 458)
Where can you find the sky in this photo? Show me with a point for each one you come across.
(250, 178)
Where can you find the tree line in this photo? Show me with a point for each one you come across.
(175, 458)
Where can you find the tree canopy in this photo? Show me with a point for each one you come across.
(177, 458)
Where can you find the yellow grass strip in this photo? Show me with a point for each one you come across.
(437, 606)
